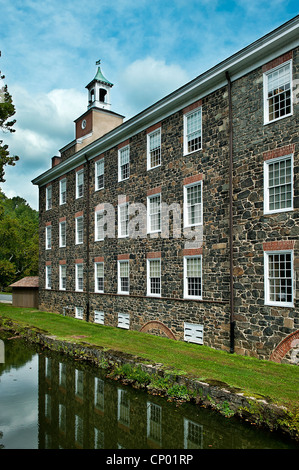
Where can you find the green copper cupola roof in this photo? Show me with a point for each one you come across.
(99, 77)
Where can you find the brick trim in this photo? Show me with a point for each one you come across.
(62, 177)
(62, 219)
(48, 263)
(151, 192)
(62, 261)
(122, 199)
(288, 343)
(124, 256)
(192, 179)
(153, 128)
(153, 254)
(280, 152)
(79, 261)
(192, 106)
(99, 207)
(81, 167)
(48, 224)
(123, 144)
(99, 157)
(99, 259)
(49, 184)
(78, 214)
(192, 251)
(279, 245)
(156, 324)
(278, 61)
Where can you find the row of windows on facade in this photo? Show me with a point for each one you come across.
(278, 274)
(277, 104)
(278, 197)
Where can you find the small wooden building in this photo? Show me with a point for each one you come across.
(25, 292)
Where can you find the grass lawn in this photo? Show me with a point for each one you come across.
(278, 382)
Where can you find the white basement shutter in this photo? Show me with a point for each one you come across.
(193, 333)
(124, 320)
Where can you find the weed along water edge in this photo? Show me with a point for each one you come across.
(52, 401)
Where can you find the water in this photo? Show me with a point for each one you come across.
(48, 401)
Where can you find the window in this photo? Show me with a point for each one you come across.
(124, 163)
(154, 213)
(99, 174)
(99, 317)
(62, 277)
(123, 321)
(192, 131)
(99, 226)
(99, 277)
(154, 277)
(192, 277)
(79, 230)
(279, 278)
(123, 220)
(278, 184)
(277, 92)
(154, 149)
(48, 237)
(62, 234)
(79, 277)
(79, 183)
(193, 204)
(193, 333)
(62, 190)
(48, 277)
(49, 197)
(79, 312)
(123, 277)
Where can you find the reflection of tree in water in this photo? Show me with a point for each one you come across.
(1, 435)
(16, 352)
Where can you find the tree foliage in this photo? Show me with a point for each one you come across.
(18, 240)
(7, 110)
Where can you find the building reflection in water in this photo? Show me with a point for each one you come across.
(78, 409)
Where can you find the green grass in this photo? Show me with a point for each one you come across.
(277, 382)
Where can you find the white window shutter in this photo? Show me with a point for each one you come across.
(193, 333)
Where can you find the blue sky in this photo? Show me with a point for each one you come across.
(148, 48)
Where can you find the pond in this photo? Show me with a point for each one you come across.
(49, 401)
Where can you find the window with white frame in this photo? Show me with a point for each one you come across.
(192, 131)
(79, 311)
(48, 237)
(79, 230)
(154, 213)
(279, 278)
(99, 317)
(99, 174)
(278, 92)
(154, 277)
(193, 277)
(193, 204)
(48, 197)
(62, 191)
(79, 183)
(99, 277)
(62, 276)
(99, 226)
(49, 277)
(123, 220)
(278, 184)
(62, 234)
(79, 277)
(123, 277)
(154, 149)
(124, 163)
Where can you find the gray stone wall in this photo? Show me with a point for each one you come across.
(259, 328)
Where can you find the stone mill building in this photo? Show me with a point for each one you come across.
(182, 221)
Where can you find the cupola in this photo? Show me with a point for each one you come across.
(99, 90)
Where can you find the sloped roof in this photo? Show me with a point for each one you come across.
(29, 281)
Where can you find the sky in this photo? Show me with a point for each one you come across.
(147, 48)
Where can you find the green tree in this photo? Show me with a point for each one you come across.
(7, 110)
(18, 240)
